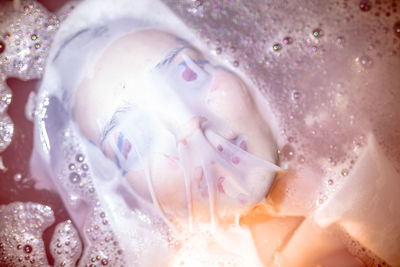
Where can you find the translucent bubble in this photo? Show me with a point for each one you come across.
(317, 33)
(71, 167)
(85, 167)
(344, 172)
(79, 158)
(197, 8)
(340, 41)
(236, 63)
(396, 29)
(6, 132)
(288, 40)
(65, 244)
(2, 47)
(321, 199)
(287, 152)
(17, 177)
(365, 5)
(198, 3)
(28, 249)
(296, 95)
(74, 178)
(5, 98)
(365, 61)
(277, 47)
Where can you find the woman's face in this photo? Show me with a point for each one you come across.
(147, 99)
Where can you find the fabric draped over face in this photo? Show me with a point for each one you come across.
(178, 96)
(151, 125)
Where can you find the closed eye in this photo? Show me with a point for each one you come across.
(111, 124)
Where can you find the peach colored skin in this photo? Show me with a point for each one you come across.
(119, 76)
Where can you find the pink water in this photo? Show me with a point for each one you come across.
(330, 72)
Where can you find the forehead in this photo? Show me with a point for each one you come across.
(119, 70)
(135, 49)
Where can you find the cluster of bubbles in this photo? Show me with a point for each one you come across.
(26, 33)
(307, 69)
(365, 5)
(77, 171)
(25, 36)
(21, 230)
(22, 226)
(65, 245)
(222, 26)
(75, 179)
(386, 8)
(6, 131)
(286, 41)
(357, 249)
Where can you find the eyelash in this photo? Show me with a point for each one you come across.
(170, 57)
(109, 128)
(113, 123)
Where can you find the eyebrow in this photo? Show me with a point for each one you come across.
(112, 123)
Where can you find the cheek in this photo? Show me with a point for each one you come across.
(169, 183)
(229, 98)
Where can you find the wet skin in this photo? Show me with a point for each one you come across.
(119, 81)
